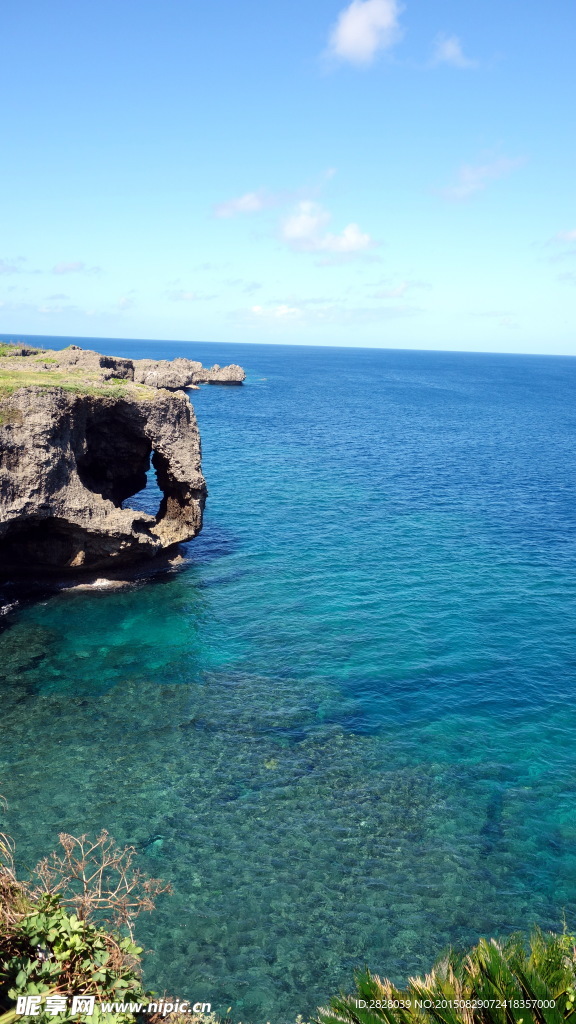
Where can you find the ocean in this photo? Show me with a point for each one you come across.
(343, 728)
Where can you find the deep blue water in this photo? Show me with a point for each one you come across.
(350, 714)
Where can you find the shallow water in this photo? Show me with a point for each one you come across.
(344, 727)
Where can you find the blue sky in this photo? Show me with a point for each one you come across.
(367, 173)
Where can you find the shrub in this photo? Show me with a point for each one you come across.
(61, 932)
(51, 952)
(97, 879)
(508, 982)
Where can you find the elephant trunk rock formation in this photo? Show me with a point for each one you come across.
(77, 436)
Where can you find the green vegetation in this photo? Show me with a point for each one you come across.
(56, 936)
(78, 382)
(77, 957)
(11, 380)
(508, 982)
(14, 348)
(38, 368)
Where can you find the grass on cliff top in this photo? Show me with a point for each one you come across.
(78, 382)
(9, 348)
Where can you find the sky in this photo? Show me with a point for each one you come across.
(374, 173)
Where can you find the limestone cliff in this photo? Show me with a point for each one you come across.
(78, 432)
(172, 374)
(183, 373)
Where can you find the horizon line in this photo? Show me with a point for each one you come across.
(272, 344)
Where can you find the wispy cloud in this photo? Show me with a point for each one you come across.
(448, 50)
(74, 267)
(248, 287)
(250, 202)
(388, 289)
(255, 202)
(314, 311)
(474, 178)
(503, 317)
(11, 266)
(182, 295)
(52, 310)
(363, 28)
(279, 312)
(304, 231)
(562, 246)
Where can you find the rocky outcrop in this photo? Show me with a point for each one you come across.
(172, 374)
(68, 461)
(184, 373)
(232, 374)
(78, 433)
(106, 367)
(164, 373)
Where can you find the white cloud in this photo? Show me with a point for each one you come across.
(567, 236)
(448, 50)
(323, 310)
(280, 312)
(350, 240)
(473, 178)
(363, 28)
(304, 231)
(251, 202)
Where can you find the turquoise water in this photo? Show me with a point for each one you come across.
(349, 715)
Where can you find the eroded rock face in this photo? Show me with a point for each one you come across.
(172, 374)
(68, 461)
(184, 373)
(232, 374)
(106, 367)
(164, 373)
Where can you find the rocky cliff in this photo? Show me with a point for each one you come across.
(172, 374)
(184, 373)
(78, 432)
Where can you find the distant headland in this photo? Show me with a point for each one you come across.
(78, 432)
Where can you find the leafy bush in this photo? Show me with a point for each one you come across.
(55, 930)
(506, 982)
(51, 951)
